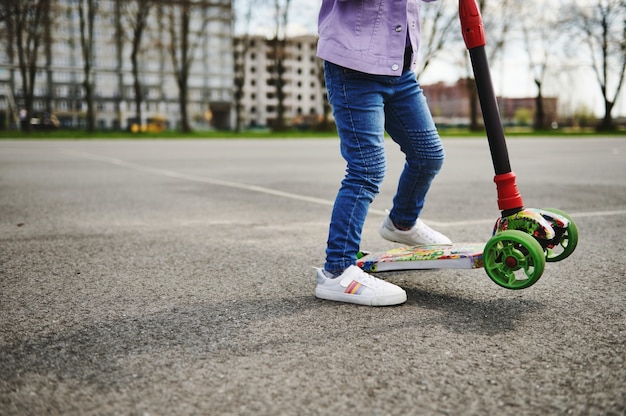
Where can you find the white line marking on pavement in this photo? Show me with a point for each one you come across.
(297, 197)
(194, 178)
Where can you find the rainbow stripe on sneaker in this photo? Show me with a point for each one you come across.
(354, 288)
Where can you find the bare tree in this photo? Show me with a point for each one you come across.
(602, 28)
(119, 59)
(279, 43)
(136, 16)
(25, 22)
(439, 27)
(184, 42)
(241, 48)
(499, 18)
(7, 36)
(87, 10)
(47, 44)
(540, 33)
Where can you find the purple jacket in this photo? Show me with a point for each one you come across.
(368, 35)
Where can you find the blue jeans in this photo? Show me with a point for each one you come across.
(364, 106)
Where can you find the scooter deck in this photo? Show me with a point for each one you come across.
(455, 256)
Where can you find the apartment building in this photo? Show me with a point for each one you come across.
(450, 105)
(303, 80)
(58, 83)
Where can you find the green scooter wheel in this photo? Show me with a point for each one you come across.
(514, 259)
(568, 241)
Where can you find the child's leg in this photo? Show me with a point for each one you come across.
(410, 124)
(358, 108)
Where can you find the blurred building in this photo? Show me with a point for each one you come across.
(303, 80)
(232, 80)
(58, 85)
(450, 106)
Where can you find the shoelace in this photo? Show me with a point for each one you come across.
(426, 232)
(366, 279)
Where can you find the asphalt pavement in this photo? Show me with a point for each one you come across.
(159, 277)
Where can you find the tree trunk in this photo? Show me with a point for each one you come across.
(182, 101)
(137, 88)
(279, 52)
(87, 18)
(184, 69)
(24, 25)
(607, 121)
(540, 115)
(119, 49)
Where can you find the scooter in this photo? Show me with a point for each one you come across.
(523, 239)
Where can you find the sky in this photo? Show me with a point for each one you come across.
(510, 75)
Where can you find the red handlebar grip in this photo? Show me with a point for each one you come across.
(471, 24)
(508, 195)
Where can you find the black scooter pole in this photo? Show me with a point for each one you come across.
(509, 199)
(490, 110)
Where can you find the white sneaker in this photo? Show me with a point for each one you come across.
(420, 235)
(356, 286)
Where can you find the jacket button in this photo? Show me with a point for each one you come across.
(395, 67)
(399, 28)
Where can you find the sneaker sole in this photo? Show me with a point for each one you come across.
(387, 300)
(391, 236)
(394, 238)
